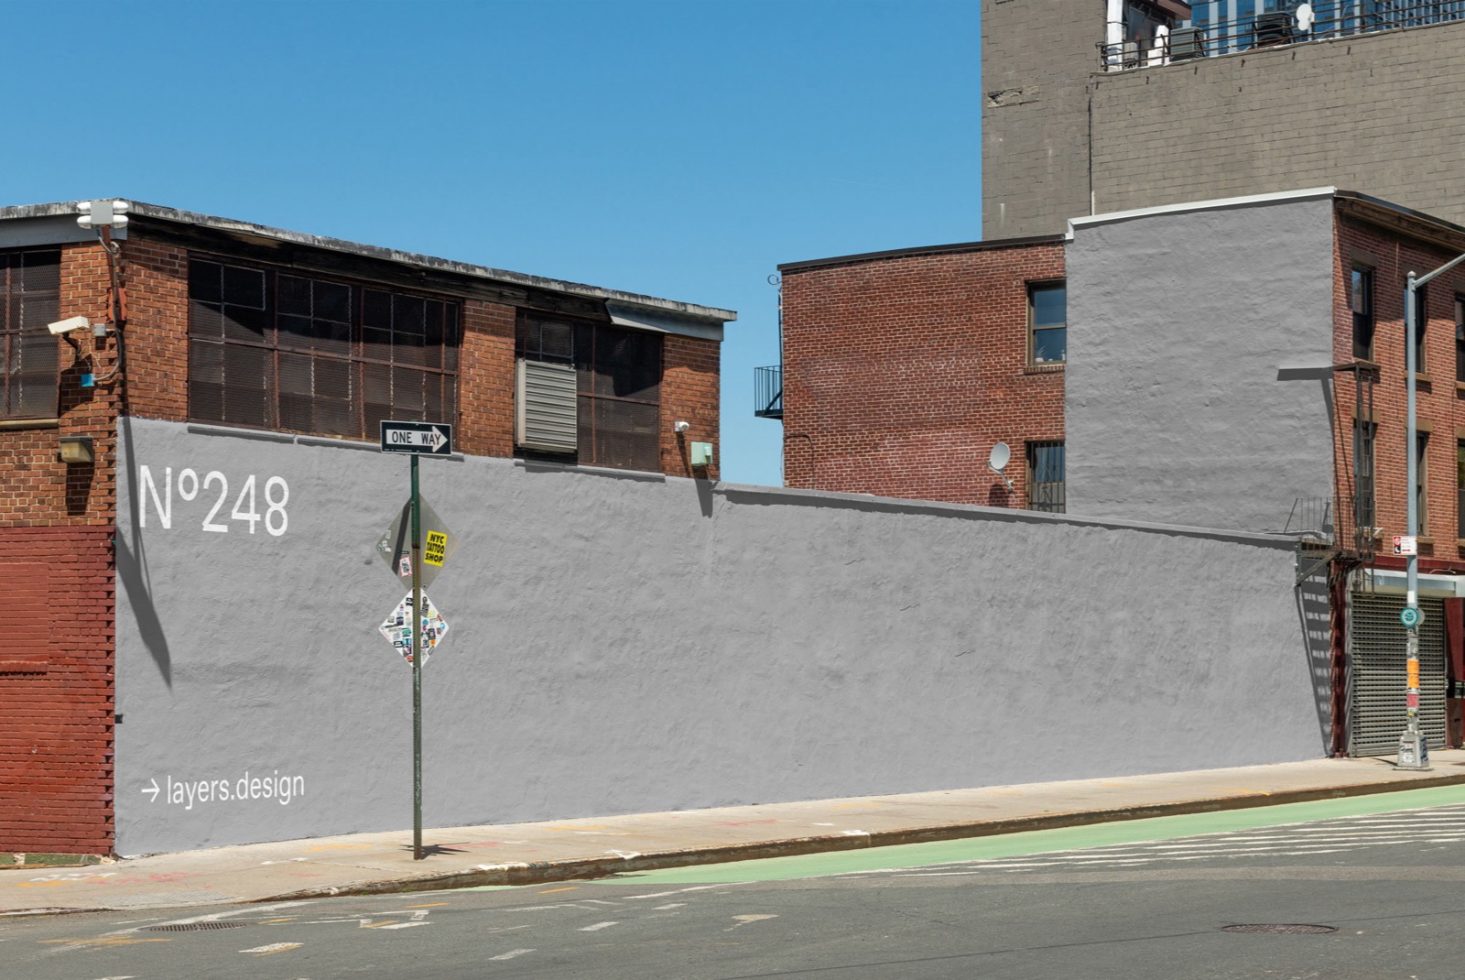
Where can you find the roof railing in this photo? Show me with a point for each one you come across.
(1203, 38)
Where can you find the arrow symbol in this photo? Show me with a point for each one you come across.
(435, 438)
(153, 789)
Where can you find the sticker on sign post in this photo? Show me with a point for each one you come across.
(1406, 544)
(397, 628)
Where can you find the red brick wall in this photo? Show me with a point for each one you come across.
(1440, 402)
(689, 392)
(157, 329)
(486, 380)
(900, 373)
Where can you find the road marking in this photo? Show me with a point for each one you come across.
(272, 949)
(670, 905)
(555, 891)
(511, 954)
(743, 920)
(598, 926)
(694, 888)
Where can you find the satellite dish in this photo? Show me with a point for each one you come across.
(998, 459)
(1000, 456)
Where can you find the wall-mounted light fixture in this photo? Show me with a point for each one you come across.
(680, 426)
(76, 450)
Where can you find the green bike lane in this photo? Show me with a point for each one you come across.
(1025, 843)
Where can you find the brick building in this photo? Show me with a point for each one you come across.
(901, 371)
(1229, 99)
(222, 324)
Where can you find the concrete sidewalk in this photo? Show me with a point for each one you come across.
(530, 853)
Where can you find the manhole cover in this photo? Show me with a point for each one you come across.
(1280, 928)
(194, 926)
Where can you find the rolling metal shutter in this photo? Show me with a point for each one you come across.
(1376, 673)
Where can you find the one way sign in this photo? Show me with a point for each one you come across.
(423, 438)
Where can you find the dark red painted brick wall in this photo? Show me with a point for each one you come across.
(900, 373)
(56, 689)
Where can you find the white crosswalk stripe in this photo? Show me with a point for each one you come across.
(1440, 825)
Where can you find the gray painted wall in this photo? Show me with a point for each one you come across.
(1177, 324)
(623, 643)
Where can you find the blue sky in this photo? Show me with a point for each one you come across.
(682, 149)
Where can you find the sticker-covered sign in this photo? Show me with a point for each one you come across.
(398, 628)
(395, 546)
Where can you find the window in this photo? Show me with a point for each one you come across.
(1460, 488)
(618, 386)
(277, 349)
(1048, 323)
(1421, 479)
(1046, 486)
(30, 298)
(1363, 498)
(1459, 337)
(1360, 300)
(1421, 320)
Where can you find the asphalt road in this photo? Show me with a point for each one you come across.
(1381, 894)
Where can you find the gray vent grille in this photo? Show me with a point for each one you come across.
(1376, 673)
(544, 407)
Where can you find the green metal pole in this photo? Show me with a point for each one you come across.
(416, 667)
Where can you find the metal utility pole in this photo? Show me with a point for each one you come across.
(416, 666)
(1413, 748)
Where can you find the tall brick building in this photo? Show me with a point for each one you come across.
(1228, 100)
(222, 324)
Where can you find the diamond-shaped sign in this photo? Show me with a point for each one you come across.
(395, 547)
(398, 628)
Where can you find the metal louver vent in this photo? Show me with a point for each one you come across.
(1376, 673)
(544, 407)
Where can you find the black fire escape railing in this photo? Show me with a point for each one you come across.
(768, 392)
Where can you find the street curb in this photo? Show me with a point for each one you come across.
(538, 873)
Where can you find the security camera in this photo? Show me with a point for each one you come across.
(69, 324)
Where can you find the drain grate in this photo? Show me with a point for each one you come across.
(1281, 928)
(194, 926)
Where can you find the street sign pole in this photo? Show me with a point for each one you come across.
(416, 667)
(416, 439)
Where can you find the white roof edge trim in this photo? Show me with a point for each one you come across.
(659, 321)
(1217, 204)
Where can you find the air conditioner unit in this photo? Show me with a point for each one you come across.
(1187, 43)
(544, 407)
(1273, 27)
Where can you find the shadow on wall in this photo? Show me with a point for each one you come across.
(132, 566)
(1317, 639)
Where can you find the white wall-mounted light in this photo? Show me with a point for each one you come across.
(680, 426)
(102, 214)
(76, 450)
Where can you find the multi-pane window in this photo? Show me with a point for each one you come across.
(1360, 300)
(1421, 320)
(278, 349)
(30, 291)
(1363, 498)
(618, 386)
(1046, 480)
(1048, 322)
